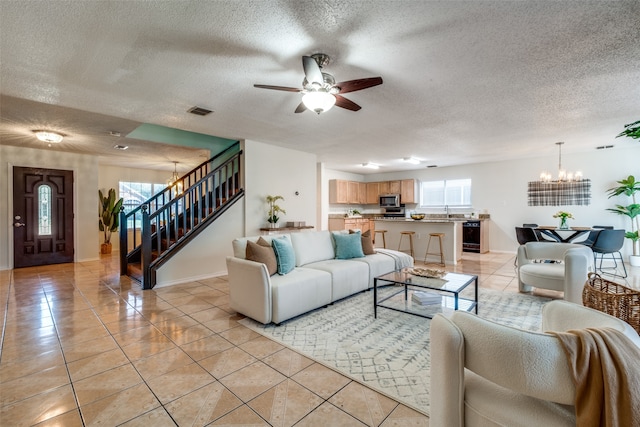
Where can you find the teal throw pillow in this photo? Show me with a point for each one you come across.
(285, 256)
(348, 245)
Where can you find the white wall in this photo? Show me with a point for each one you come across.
(271, 170)
(85, 200)
(501, 189)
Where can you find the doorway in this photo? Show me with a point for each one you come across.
(42, 216)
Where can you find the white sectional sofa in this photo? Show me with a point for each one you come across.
(317, 280)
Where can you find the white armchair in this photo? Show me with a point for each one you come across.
(486, 374)
(568, 276)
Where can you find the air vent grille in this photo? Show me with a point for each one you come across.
(604, 147)
(432, 166)
(199, 111)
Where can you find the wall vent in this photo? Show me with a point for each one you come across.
(199, 111)
(604, 147)
(432, 166)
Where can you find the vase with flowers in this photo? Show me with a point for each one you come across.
(564, 216)
(274, 209)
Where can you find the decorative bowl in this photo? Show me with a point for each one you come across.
(417, 217)
(427, 272)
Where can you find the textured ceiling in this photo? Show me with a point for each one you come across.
(464, 81)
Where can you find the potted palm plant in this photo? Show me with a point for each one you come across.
(108, 217)
(274, 209)
(629, 187)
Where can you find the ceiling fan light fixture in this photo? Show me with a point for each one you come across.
(48, 136)
(318, 101)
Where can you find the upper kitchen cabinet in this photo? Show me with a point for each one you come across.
(408, 191)
(395, 187)
(383, 187)
(353, 192)
(373, 193)
(338, 191)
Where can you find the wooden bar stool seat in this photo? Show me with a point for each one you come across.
(384, 240)
(410, 234)
(439, 236)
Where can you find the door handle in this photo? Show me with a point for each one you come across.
(18, 224)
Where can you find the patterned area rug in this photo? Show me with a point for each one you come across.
(391, 353)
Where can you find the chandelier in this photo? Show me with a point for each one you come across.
(563, 175)
(569, 188)
(174, 181)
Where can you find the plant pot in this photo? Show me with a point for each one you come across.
(105, 248)
(273, 225)
(634, 260)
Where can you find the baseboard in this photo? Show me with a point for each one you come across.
(190, 279)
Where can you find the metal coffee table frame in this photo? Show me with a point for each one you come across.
(450, 287)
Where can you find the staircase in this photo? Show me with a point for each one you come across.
(172, 218)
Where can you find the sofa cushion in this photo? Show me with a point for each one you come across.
(312, 246)
(348, 245)
(298, 292)
(285, 256)
(543, 275)
(367, 242)
(347, 276)
(379, 264)
(261, 251)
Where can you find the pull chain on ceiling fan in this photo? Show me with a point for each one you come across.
(320, 90)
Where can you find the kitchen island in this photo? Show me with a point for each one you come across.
(452, 241)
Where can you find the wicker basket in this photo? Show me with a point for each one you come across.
(613, 299)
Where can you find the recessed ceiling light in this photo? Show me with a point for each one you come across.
(120, 147)
(115, 133)
(412, 160)
(48, 136)
(370, 165)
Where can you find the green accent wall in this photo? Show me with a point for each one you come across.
(166, 135)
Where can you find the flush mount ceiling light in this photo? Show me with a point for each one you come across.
(48, 136)
(370, 165)
(412, 160)
(120, 147)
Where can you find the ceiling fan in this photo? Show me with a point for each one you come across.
(321, 92)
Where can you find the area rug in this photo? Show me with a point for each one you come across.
(389, 354)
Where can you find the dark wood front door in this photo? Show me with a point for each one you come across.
(42, 216)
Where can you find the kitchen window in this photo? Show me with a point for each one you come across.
(452, 193)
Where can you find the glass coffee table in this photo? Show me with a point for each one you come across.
(395, 291)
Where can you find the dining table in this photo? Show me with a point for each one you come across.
(565, 235)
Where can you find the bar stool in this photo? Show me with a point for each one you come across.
(384, 240)
(440, 254)
(410, 235)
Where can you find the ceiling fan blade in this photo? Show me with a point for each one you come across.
(312, 70)
(354, 85)
(288, 89)
(301, 108)
(343, 102)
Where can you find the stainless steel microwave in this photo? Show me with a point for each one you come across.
(390, 201)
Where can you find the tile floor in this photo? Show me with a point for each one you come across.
(83, 346)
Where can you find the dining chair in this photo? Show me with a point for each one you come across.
(526, 234)
(609, 242)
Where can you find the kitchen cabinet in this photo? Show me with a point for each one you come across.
(408, 191)
(338, 191)
(363, 224)
(353, 192)
(362, 193)
(395, 187)
(373, 193)
(384, 187)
